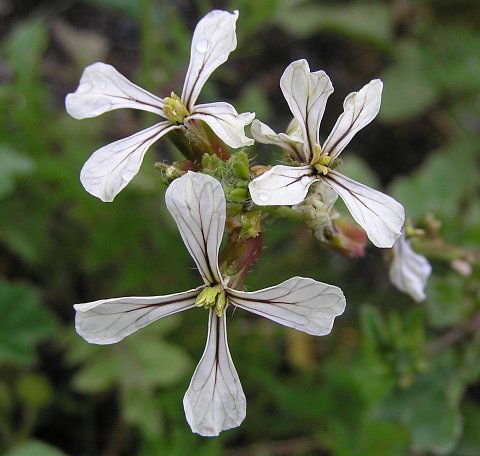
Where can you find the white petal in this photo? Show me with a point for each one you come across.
(282, 185)
(306, 94)
(102, 88)
(112, 167)
(299, 303)
(214, 401)
(409, 271)
(378, 214)
(197, 203)
(292, 144)
(110, 320)
(225, 121)
(213, 40)
(360, 108)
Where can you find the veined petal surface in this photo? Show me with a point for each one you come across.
(213, 40)
(409, 271)
(378, 214)
(102, 88)
(108, 321)
(292, 144)
(112, 167)
(359, 109)
(197, 204)
(225, 122)
(299, 303)
(306, 94)
(282, 185)
(215, 400)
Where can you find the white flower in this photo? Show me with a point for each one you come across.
(409, 271)
(306, 93)
(102, 88)
(214, 400)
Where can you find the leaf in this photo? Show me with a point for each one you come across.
(23, 325)
(428, 411)
(33, 390)
(446, 304)
(100, 373)
(143, 360)
(370, 22)
(140, 409)
(12, 164)
(358, 169)
(446, 177)
(161, 363)
(469, 444)
(26, 46)
(34, 448)
(408, 91)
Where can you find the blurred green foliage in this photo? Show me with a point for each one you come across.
(393, 378)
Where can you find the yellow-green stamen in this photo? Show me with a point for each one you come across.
(212, 297)
(175, 111)
(320, 162)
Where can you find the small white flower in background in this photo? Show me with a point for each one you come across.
(409, 271)
(102, 88)
(214, 400)
(306, 93)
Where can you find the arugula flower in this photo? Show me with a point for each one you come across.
(409, 271)
(306, 93)
(102, 88)
(214, 400)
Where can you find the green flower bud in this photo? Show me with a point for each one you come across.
(237, 195)
(241, 165)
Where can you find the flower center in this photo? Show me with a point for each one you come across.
(212, 297)
(320, 162)
(174, 109)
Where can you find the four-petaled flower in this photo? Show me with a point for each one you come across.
(409, 271)
(214, 400)
(102, 88)
(306, 93)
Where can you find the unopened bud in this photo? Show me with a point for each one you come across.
(236, 195)
(241, 165)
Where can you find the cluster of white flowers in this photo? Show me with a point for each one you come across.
(214, 400)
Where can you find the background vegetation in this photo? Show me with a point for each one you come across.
(393, 378)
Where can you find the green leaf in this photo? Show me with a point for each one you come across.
(160, 363)
(33, 390)
(358, 169)
(408, 91)
(100, 373)
(469, 444)
(428, 411)
(12, 164)
(370, 22)
(25, 47)
(34, 448)
(23, 325)
(141, 409)
(142, 361)
(446, 301)
(440, 184)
